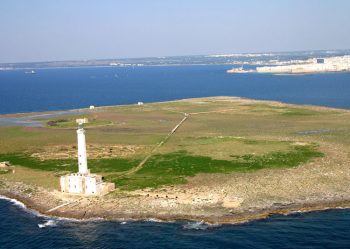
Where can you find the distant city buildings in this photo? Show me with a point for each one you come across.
(331, 64)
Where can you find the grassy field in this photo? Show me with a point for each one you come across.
(221, 135)
(70, 165)
(173, 168)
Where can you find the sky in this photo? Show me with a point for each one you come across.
(42, 30)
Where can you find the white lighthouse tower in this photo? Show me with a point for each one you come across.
(84, 182)
(82, 158)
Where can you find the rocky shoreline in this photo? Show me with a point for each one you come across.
(226, 219)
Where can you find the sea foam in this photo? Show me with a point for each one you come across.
(198, 225)
(14, 202)
(48, 223)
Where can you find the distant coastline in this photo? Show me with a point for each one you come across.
(258, 59)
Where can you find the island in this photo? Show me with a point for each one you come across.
(215, 159)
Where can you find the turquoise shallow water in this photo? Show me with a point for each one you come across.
(23, 229)
(58, 89)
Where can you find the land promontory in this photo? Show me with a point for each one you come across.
(217, 159)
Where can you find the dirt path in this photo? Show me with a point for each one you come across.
(59, 206)
(166, 138)
(160, 144)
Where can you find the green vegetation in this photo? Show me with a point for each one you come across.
(221, 147)
(71, 123)
(286, 110)
(292, 111)
(112, 164)
(221, 135)
(4, 171)
(33, 163)
(96, 165)
(172, 168)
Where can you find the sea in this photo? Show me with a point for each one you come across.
(67, 88)
(72, 88)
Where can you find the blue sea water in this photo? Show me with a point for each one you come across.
(67, 88)
(59, 89)
(23, 229)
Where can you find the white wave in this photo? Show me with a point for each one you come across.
(154, 220)
(76, 220)
(123, 223)
(23, 206)
(14, 202)
(198, 225)
(48, 223)
(37, 214)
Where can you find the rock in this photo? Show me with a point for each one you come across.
(232, 202)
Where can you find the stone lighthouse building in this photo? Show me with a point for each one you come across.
(84, 182)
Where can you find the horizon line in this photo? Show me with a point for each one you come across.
(184, 55)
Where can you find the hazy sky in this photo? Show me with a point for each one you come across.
(39, 30)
